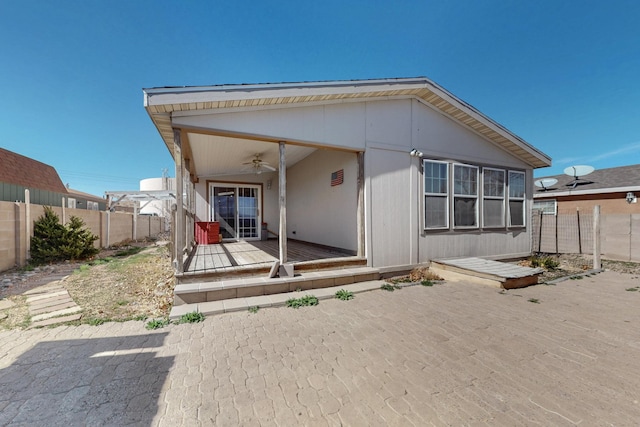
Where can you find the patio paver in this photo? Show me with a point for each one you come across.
(449, 354)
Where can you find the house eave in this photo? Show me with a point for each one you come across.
(555, 194)
(161, 103)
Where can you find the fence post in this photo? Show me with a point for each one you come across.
(579, 234)
(17, 235)
(596, 238)
(540, 233)
(27, 225)
(557, 232)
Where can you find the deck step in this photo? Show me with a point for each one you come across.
(191, 293)
(487, 272)
(263, 301)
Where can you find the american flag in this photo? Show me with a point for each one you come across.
(337, 177)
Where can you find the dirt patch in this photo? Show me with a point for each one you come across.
(135, 286)
(573, 264)
(133, 281)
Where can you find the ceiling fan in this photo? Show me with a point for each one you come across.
(258, 165)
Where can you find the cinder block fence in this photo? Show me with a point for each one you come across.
(16, 228)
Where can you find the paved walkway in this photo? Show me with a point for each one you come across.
(451, 354)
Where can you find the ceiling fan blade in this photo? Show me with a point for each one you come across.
(268, 167)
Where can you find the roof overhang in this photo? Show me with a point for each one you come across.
(162, 103)
(554, 194)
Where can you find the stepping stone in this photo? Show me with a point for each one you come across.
(5, 303)
(55, 321)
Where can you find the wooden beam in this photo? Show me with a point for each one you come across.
(179, 226)
(360, 208)
(282, 174)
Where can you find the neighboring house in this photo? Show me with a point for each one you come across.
(79, 200)
(18, 173)
(398, 171)
(614, 189)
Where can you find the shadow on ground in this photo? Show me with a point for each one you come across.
(96, 381)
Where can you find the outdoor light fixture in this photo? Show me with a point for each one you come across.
(631, 198)
(416, 153)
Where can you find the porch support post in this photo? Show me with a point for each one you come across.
(360, 208)
(282, 187)
(179, 231)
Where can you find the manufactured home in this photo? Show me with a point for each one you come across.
(392, 172)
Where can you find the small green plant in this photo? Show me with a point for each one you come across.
(426, 283)
(344, 295)
(96, 321)
(550, 263)
(576, 277)
(192, 317)
(307, 300)
(547, 262)
(157, 323)
(389, 287)
(632, 289)
(122, 302)
(254, 309)
(140, 317)
(534, 300)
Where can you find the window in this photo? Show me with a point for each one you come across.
(436, 194)
(465, 196)
(516, 199)
(493, 181)
(93, 206)
(548, 207)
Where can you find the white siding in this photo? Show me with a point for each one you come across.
(318, 212)
(389, 207)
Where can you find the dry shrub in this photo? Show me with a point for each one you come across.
(423, 273)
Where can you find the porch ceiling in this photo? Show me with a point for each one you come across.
(160, 103)
(215, 155)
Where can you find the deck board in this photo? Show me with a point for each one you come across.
(229, 255)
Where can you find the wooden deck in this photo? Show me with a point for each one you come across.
(234, 256)
(487, 272)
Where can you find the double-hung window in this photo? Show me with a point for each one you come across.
(493, 186)
(436, 194)
(516, 199)
(465, 196)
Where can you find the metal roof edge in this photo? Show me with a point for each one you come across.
(547, 194)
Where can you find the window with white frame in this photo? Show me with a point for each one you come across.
(92, 206)
(516, 199)
(547, 207)
(493, 185)
(465, 196)
(436, 194)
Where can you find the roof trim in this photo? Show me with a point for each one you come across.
(548, 194)
(160, 103)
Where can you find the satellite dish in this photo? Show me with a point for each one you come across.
(545, 183)
(576, 172)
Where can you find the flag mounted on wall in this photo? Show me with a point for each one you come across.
(337, 178)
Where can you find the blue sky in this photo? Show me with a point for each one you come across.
(563, 75)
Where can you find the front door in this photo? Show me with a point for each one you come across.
(236, 208)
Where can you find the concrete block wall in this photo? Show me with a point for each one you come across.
(13, 228)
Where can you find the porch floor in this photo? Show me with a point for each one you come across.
(231, 256)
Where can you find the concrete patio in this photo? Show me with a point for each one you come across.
(450, 354)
